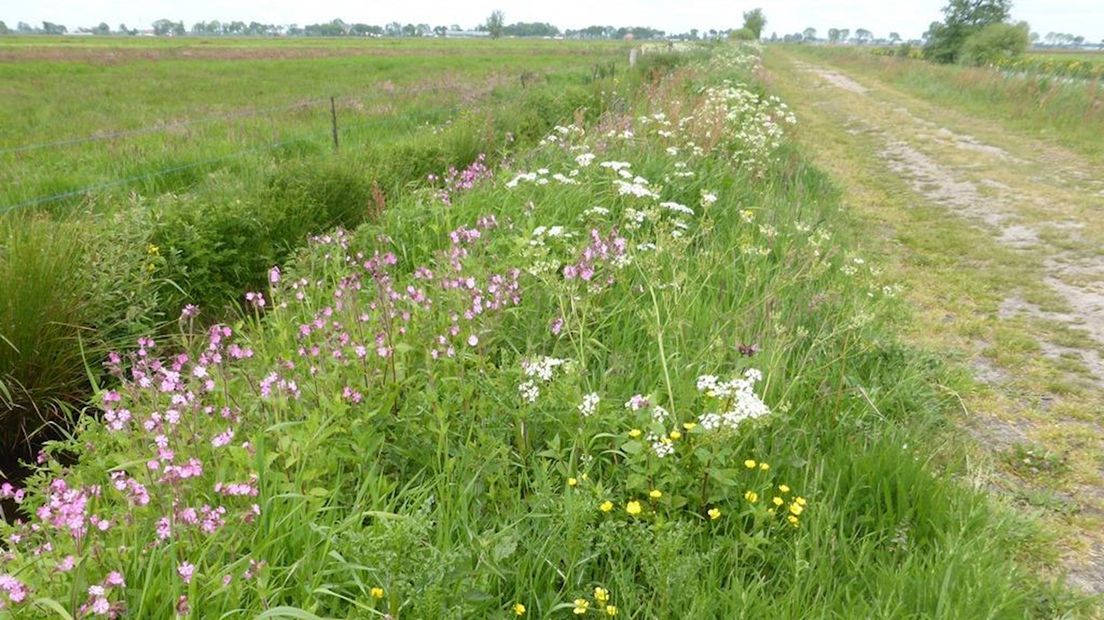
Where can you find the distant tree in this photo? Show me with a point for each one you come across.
(4, 28)
(530, 29)
(162, 27)
(809, 34)
(440, 30)
(894, 38)
(24, 28)
(755, 21)
(844, 33)
(52, 28)
(124, 30)
(863, 36)
(962, 18)
(495, 24)
(995, 43)
(101, 29)
(833, 35)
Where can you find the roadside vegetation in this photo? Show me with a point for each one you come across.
(99, 268)
(637, 370)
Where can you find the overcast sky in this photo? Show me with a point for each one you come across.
(909, 18)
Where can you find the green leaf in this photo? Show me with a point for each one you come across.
(290, 612)
(54, 606)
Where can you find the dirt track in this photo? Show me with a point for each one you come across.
(1037, 267)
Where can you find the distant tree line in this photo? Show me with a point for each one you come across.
(339, 28)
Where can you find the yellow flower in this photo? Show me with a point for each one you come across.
(153, 250)
(572, 482)
(796, 508)
(750, 464)
(611, 610)
(783, 488)
(655, 494)
(581, 606)
(601, 595)
(689, 425)
(519, 609)
(675, 435)
(377, 592)
(584, 477)
(793, 520)
(751, 496)
(714, 513)
(800, 501)
(633, 507)
(764, 466)
(777, 501)
(634, 433)
(606, 506)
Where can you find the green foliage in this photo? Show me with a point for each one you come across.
(995, 44)
(206, 235)
(42, 323)
(432, 482)
(962, 18)
(754, 22)
(495, 24)
(743, 34)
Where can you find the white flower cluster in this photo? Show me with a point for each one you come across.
(677, 208)
(589, 404)
(540, 177)
(542, 367)
(661, 445)
(561, 133)
(738, 395)
(539, 370)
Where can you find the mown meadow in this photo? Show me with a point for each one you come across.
(637, 369)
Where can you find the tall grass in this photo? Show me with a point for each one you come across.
(44, 312)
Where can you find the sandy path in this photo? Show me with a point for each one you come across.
(1038, 204)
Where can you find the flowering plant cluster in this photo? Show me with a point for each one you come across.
(414, 407)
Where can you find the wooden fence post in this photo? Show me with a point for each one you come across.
(333, 120)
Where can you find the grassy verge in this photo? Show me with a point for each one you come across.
(641, 373)
(127, 261)
(1041, 106)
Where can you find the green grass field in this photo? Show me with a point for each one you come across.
(176, 103)
(633, 362)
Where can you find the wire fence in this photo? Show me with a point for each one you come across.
(325, 106)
